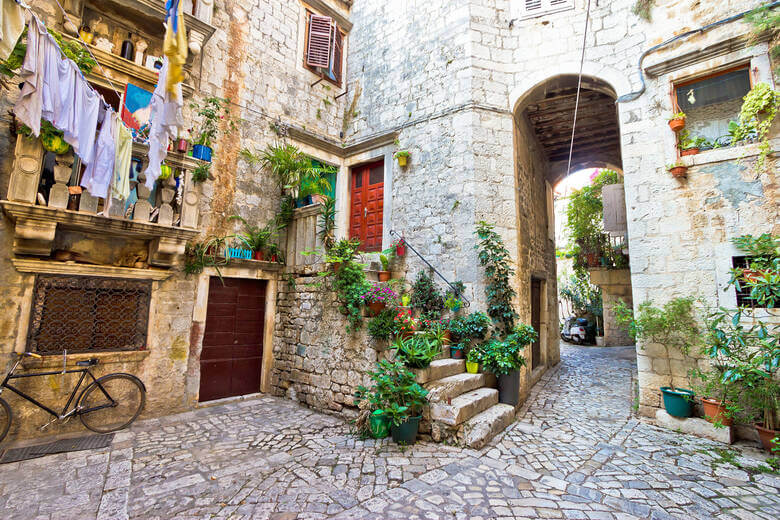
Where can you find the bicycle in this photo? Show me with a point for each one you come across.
(107, 404)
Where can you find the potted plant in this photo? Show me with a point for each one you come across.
(678, 169)
(399, 397)
(257, 238)
(470, 328)
(400, 247)
(211, 112)
(378, 297)
(473, 359)
(504, 359)
(402, 156)
(384, 274)
(689, 145)
(426, 297)
(416, 351)
(382, 326)
(452, 301)
(756, 117)
(677, 121)
(718, 409)
(762, 274)
(675, 327)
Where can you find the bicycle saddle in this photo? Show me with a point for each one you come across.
(87, 363)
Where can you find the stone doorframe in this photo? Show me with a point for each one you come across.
(199, 322)
(544, 341)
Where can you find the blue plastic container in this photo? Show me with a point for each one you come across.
(201, 152)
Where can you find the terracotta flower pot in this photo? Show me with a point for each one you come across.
(679, 171)
(689, 151)
(715, 411)
(677, 124)
(376, 307)
(766, 437)
(384, 276)
(751, 275)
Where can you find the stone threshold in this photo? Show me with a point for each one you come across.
(229, 400)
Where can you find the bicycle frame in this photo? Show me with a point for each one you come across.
(83, 371)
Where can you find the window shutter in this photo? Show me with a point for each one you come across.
(338, 56)
(320, 41)
(532, 5)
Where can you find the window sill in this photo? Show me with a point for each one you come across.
(731, 153)
(54, 361)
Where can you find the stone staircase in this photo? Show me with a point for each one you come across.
(464, 408)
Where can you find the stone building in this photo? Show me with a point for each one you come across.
(479, 91)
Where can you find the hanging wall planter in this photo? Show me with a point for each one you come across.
(677, 122)
(678, 170)
(202, 152)
(402, 156)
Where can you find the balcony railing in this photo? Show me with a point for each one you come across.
(167, 217)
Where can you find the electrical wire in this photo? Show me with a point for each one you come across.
(579, 89)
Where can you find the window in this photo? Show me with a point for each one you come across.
(743, 294)
(533, 8)
(324, 50)
(711, 102)
(86, 314)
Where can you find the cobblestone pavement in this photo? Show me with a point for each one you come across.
(575, 452)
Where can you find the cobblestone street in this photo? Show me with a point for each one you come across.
(575, 452)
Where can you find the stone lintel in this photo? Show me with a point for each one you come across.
(30, 265)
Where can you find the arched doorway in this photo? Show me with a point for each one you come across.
(544, 118)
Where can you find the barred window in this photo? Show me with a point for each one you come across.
(88, 314)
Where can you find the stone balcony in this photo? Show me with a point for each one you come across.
(165, 222)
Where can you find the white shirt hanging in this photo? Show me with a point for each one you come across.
(98, 174)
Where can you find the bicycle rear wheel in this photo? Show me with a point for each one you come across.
(5, 419)
(112, 403)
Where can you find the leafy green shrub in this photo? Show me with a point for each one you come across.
(764, 262)
(427, 298)
(469, 328)
(382, 326)
(502, 357)
(585, 214)
(394, 388)
(583, 296)
(417, 351)
(494, 258)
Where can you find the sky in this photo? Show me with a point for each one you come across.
(575, 181)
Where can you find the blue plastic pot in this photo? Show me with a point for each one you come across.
(677, 402)
(202, 152)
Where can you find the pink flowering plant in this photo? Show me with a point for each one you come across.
(380, 294)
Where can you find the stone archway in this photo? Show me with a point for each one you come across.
(543, 120)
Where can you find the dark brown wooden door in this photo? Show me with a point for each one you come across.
(536, 321)
(232, 355)
(367, 205)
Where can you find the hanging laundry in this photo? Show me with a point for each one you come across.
(122, 162)
(11, 26)
(29, 104)
(175, 43)
(81, 134)
(63, 115)
(97, 176)
(165, 119)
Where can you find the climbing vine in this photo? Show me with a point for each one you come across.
(494, 257)
(643, 9)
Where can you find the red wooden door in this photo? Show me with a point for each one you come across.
(367, 205)
(232, 355)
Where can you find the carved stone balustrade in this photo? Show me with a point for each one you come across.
(166, 222)
(302, 236)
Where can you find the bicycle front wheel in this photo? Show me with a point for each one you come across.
(112, 403)
(5, 419)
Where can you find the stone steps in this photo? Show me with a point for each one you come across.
(439, 369)
(452, 386)
(464, 407)
(477, 431)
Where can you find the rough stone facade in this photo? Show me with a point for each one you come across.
(449, 80)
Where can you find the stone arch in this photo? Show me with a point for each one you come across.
(616, 79)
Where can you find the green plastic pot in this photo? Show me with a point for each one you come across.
(678, 402)
(406, 432)
(472, 368)
(379, 424)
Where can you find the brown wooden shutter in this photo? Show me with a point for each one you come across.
(320, 41)
(613, 197)
(338, 56)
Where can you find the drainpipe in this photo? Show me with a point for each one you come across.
(635, 95)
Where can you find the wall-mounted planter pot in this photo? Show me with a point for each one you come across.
(676, 124)
(403, 160)
(677, 402)
(679, 172)
(202, 152)
(689, 151)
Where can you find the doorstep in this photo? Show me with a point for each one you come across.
(228, 400)
(695, 426)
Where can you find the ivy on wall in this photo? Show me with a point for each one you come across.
(494, 258)
(643, 9)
